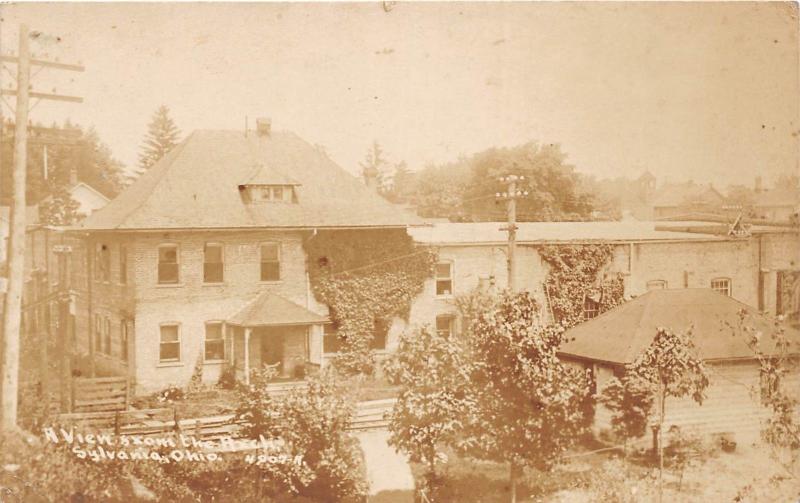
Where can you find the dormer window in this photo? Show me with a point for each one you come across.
(270, 193)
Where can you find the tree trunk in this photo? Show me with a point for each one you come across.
(512, 476)
(662, 397)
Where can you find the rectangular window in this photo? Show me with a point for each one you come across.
(270, 262)
(656, 284)
(168, 264)
(591, 308)
(170, 346)
(123, 264)
(102, 266)
(123, 340)
(215, 342)
(721, 285)
(444, 278)
(330, 339)
(213, 266)
(379, 334)
(107, 335)
(98, 333)
(444, 325)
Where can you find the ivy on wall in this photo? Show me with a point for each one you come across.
(574, 277)
(365, 276)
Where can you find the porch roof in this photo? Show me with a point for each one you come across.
(268, 309)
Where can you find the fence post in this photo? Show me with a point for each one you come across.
(175, 419)
(198, 430)
(72, 394)
(116, 424)
(127, 392)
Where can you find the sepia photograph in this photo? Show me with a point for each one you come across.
(400, 252)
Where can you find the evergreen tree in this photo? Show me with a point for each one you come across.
(162, 136)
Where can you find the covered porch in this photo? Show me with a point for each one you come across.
(271, 330)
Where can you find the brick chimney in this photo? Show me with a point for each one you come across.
(263, 127)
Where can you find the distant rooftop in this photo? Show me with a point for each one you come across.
(550, 232)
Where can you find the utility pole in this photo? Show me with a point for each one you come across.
(511, 196)
(16, 243)
(12, 312)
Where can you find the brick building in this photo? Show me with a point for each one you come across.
(756, 270)
(200, 263)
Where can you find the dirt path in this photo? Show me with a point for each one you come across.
(388, 472)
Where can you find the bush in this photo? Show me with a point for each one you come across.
(227, 378)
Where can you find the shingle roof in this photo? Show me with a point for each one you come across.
(548, 232)
(195, 186)
(621, 334)
(268, 309)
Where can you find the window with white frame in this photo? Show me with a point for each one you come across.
(170, 343)
(444, 278)
(656, 284)
(168, 265)
(270, 262)
(444, 325)
(721, 285)
(213, 265)
(215, 342)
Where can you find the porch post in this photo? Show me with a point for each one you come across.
(247, 332)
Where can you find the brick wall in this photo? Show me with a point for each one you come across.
(191, 303)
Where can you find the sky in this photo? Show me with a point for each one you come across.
(702, 91)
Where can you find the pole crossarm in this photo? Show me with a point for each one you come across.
(44, 96)
(49, 64)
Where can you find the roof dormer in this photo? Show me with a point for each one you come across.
(265, 185)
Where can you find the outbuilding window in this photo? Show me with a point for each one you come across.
(170, 343)
(380, 333)
(591, 308)
(168, 264)
(721, 285)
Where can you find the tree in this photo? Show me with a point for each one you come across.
(630, 401)
(670, 368)
(161, 137)
(312, 424)
(376, 167)
(434, 375)
(529, 404)
(60, 209)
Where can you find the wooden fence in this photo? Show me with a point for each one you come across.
(165, 421)
(99, 394)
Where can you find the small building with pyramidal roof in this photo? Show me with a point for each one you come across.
(733, 405)
(200, 264)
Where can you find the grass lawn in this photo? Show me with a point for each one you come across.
(749, 473)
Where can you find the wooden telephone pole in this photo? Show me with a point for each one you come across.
(12, 312)
(511, 196)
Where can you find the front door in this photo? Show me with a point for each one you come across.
(272, 348)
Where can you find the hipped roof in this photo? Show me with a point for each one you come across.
(196, 186)
(269, 309)
(618, 336)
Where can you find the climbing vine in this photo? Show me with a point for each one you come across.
(366, 277)
(574, 279)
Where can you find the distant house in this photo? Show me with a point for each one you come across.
(608, 342)
(88, 198)
(781, 204)
(201, 260)
(677, 200)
